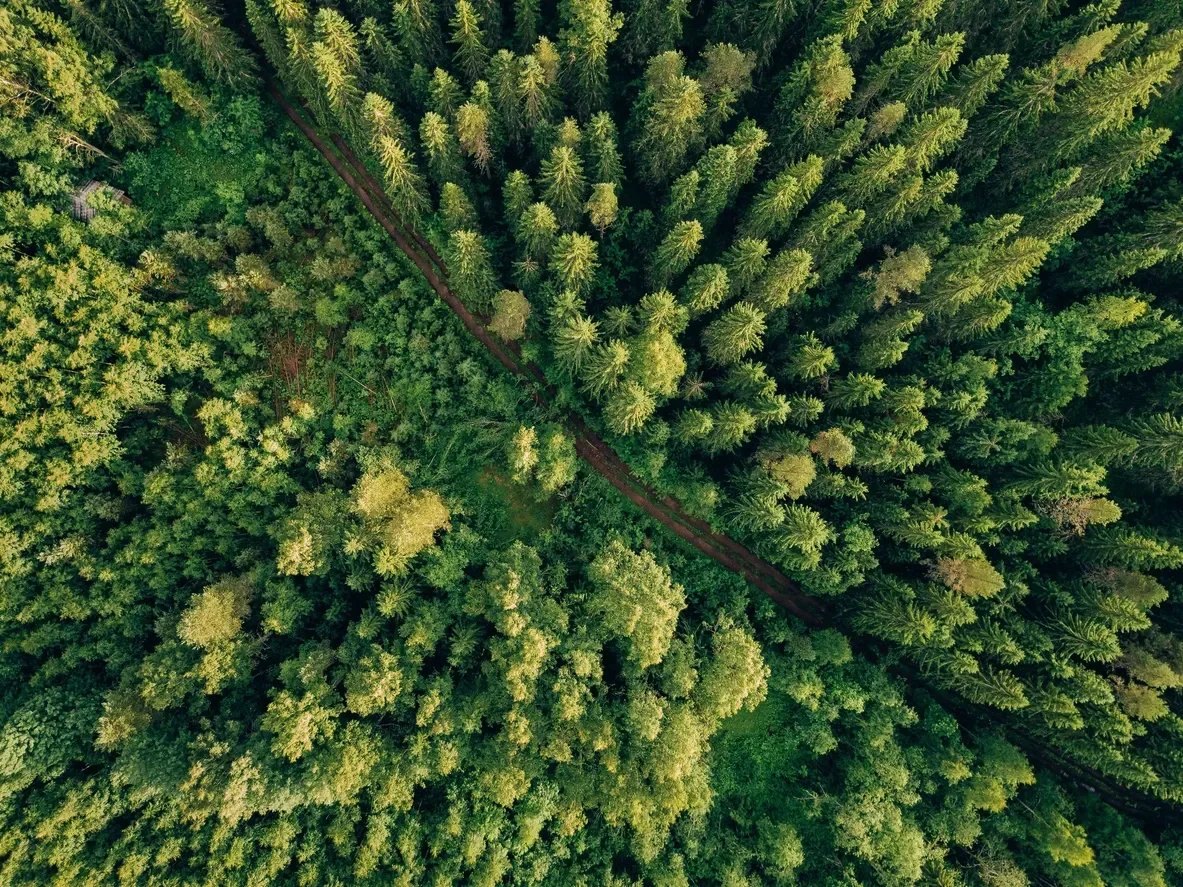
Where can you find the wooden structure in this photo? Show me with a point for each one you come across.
(82, 208)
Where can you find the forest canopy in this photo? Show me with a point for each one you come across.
(594, 442)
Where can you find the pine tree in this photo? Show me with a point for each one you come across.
(974, 84)
(782, 198)
(336, 56)
(810, 359)
(601, 151)
(808, 105)
(1117, 156)
(442, 149)
(573, 342)
(535, 92)
(654, 26)
(706, 289)
(929, 136)
(589, 29)
(668, 117)
(1104, 101)
(731, 425)
(675, 253)
(726, 76)
(504, 84)
(605, 368)
(749, 142)
(526, 18)
(786, 275)
(745, 262)
(537, 230)
(735, 333)
(573, 260)
(683, 197)
(456, 208)
(717, 173)
(472, 54)
(628, 408)
(660, 312)
(445, 93)
(388, 139)
(471, 269)
(416, 22)
(474, 134)
(912, 71)
(204, 39)
(382, 57)
(563, 185)
(602, 206)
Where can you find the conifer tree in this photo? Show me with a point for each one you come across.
(537, 230)
(654, 26)
(735, 333)
(786, 275)
(416, 23)
(808, 105)
(473, 132)
(782, 198)
(589, 30)
(675, 253)
(504, 84)
(517, 196)
(605, 367)
(445, 93)
(628, 408)
(745, 262)
(573, 259)
(526, 18)
(974, 83)
(602, 206)
(668, 118)
(731, 425)
(535, 92)
(726, 76)
(471, 54)
(203, 38)
(573, 342)
(706, 288)
(601, 150)
(471, 268)
(441, 148)
(715, 175)
(563, 184)
(388, 139)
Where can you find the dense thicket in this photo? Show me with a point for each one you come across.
(296, 587)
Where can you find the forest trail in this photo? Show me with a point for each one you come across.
(590, 447)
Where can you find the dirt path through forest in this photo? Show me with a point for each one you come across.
(590, 447)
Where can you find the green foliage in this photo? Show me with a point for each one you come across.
(298, 587)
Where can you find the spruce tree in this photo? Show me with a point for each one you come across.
(471, 55)
(735, 333)
(563, 184)
(675, 253)
(588, 31)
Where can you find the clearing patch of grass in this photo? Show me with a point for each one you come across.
(523, 517)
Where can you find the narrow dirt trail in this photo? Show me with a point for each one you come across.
(589, 446)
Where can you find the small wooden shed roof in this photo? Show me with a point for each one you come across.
(82, 208)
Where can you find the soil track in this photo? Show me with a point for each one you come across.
(590, 446)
